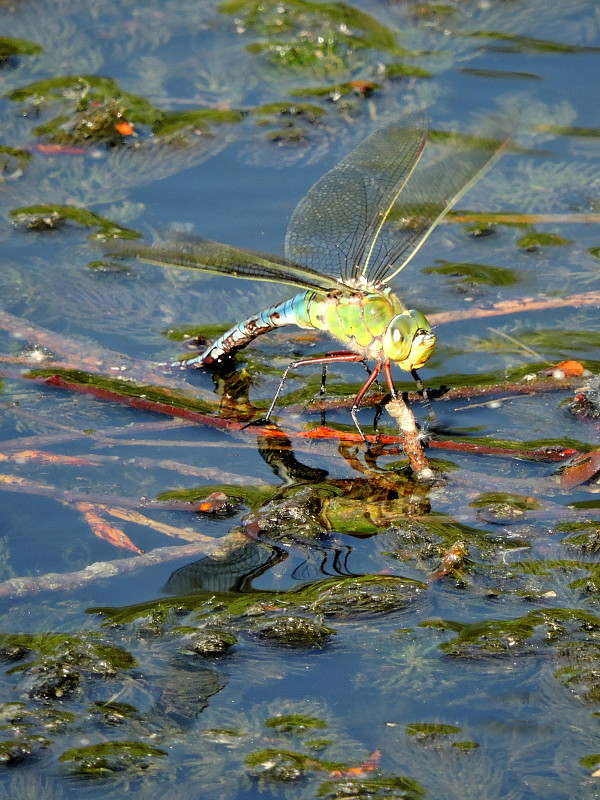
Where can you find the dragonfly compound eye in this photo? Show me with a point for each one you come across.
(409, 340)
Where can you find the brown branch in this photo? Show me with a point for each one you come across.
(538, 385)
(101, 570)
(516, 307)
(413, 448)
(95, 358)
(321, 432)
(101, 436)
(106, 530)
(14, 483)
(544, 454)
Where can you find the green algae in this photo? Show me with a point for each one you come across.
(476, 273)
(108, 757)
(295, 723)
(124, 387)
(430, 730)
(11, 47)
(52, 217)
(534, 239)
(531, 633)
(518, 43)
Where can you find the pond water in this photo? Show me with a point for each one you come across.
(193, 608)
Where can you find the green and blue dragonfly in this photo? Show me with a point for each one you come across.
(347, 240)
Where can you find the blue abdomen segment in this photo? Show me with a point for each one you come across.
(291, 312)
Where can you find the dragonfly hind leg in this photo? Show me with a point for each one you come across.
(379, 407)
(335, 355)
(332, 358)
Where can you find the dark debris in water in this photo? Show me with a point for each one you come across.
(294, 631)
(369, 595)
(21, 749)
(586, 403)
(110, 757)
(210, 643)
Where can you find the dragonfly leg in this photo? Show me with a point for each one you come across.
(392, 393)
(365, 388)
(323, 379)
(387, 371)
(377, 417)
(342, 353)
(421, 389)
(322, 391)
(379, 406)
(417, 380)
(290, 366)
(331, 358)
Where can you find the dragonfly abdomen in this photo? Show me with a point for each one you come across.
(291, 312)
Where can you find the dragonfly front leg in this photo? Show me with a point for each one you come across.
(387, 371)
(424, 397)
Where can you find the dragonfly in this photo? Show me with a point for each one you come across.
(347, 240)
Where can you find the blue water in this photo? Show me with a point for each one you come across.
(496, 661)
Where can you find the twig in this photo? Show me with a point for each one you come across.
(100, 437)
(516, 307)
(321, 432)
(96, 357)
(528, 350)
(14, 483)
(413, 448)
(489, 403)
(537, 385)
(101, 570)
(520, 219)
(544, 454)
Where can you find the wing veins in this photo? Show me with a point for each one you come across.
(383, 216)
(343, 211)
(422, 234)
(207, 256)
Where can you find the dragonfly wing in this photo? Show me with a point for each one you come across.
(367, 217)
(335, 226)
(430, 193)
(190, 252)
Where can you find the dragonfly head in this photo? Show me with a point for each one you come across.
(409, 340)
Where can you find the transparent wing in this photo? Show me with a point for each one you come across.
(428, 196)
(336, 228)
(367, 217)
(191, 252)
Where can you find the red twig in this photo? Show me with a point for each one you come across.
(320, 432)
